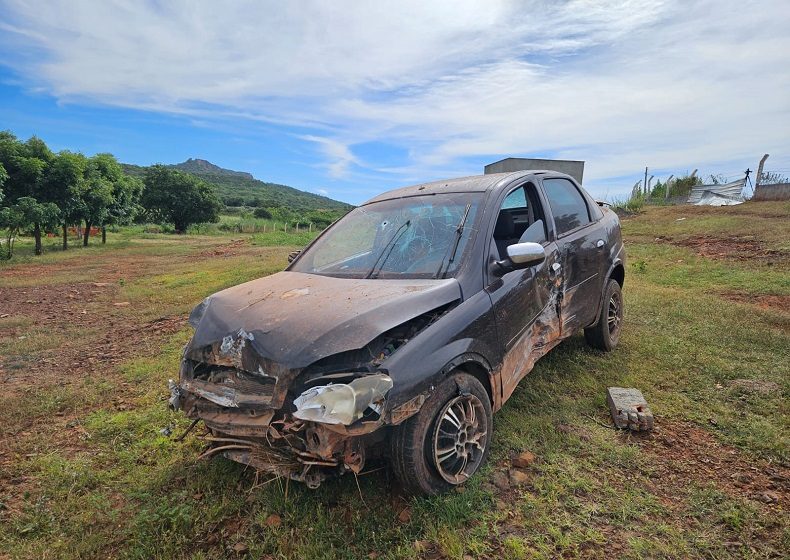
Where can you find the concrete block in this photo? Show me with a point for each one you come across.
(629, 409)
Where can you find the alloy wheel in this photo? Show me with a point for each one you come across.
(460, 438)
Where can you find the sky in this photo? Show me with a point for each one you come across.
(349, 99)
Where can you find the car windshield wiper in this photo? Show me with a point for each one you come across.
(459, 231)
(390, 245)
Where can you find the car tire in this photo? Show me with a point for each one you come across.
(605, 334)
(447, 441)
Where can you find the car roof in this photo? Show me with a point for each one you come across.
(475, 183)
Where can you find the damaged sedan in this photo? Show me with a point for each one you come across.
(402, 328)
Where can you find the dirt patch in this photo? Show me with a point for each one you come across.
(773, 302)
(739, 248)
(52, 304)
(231, 249)
(755, 386)
(682, 452)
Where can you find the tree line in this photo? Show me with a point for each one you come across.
(42, 191)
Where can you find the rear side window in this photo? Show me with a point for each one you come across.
(567, 204)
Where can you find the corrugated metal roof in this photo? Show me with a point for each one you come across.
(732, 191)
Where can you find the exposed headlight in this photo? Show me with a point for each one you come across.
(197, 313)
(341, 403)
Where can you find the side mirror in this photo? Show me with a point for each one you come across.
(524, 255)
(292, 255)
(520, 255)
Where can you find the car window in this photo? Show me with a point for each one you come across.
(567, 204)
(516, 199)
(412, 237)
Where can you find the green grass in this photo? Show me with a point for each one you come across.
(120, 488)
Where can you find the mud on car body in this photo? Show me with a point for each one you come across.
(402, 328)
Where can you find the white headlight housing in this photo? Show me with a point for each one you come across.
(343, 404)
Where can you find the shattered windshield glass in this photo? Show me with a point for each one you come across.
(414, 237)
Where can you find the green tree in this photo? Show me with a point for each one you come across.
(3, 179)
(26, 164)
(96, 194)
(125, 192)
(126, 203)
(63, 186)
(178, 198)
(262, 213)
(26, 212)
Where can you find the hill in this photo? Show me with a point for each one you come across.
(238, 188)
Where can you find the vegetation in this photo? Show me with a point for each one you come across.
(98, 192)
(772, 178)
(678, 187)
(93, 191)
(178, 198)
(239, 189)
(87, 468)
(24, 213)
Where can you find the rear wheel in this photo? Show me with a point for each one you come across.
(447, 441)
(605, 334)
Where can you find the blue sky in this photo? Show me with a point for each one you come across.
(349, 99)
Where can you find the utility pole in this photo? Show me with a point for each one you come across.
(645, 183)
(760, 171)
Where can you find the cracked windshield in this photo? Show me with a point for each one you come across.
(413, 237)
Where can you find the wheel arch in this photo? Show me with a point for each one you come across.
(618, 273)
(476, 366)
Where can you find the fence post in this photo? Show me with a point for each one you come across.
(311, 228)
(759, 172)
(666, 188)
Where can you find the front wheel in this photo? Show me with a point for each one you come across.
(447, 441)
(605, 334)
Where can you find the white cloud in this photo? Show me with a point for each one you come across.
(620, 83)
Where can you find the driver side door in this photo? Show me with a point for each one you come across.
(525, 302)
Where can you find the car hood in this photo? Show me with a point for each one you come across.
(294, 319)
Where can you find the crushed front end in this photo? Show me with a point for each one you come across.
(292, 380)
(245, 403)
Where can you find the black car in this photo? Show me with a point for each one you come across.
(402, 328)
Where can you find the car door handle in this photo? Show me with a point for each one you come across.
(600, 243)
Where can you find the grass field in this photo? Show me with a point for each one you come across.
(88, 339)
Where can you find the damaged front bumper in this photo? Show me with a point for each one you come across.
(325, 432)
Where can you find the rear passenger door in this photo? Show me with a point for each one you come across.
(580, 253)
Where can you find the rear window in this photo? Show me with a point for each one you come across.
(567, 204)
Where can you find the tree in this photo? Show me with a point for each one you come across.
(63, 186)
(96, 194)
(3, 179)
(178, 198)
(26, 164)
(23, 214)
(125, 206)
(262, 213)
(125, 193)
